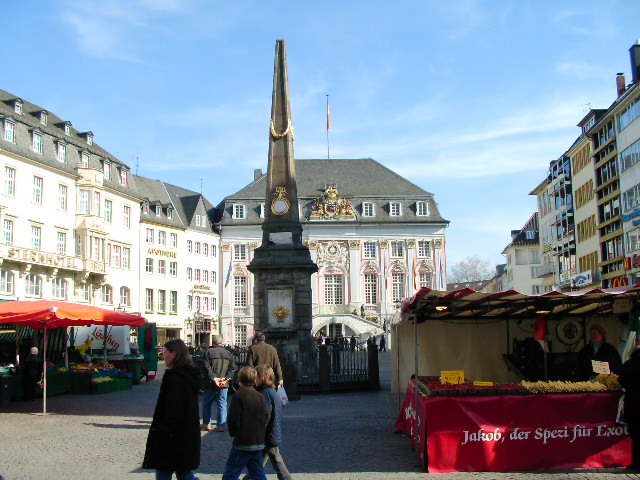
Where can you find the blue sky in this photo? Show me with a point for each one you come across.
(470, 100)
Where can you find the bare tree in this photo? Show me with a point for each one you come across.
(471, 269)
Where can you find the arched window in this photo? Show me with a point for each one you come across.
(240, 291)
(125, 296)
(6, 282)
(33, 286)
(397, 286)
(59, 290)
(106, 294)
(371, 288)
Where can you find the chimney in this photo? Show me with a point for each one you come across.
(620, 83)
(257, 173)
(634, 51)
(514, 234)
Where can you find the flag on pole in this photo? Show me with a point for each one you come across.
(226, 282)
(328, 116)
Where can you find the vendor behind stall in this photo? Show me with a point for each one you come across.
(598, 349)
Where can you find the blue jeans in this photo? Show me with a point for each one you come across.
(238, 459)
(168, 474)
(219, 395)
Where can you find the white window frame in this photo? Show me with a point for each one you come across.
(395, 209)
(9, 181)
(108, 211)
(239, 251)
(85, 159)
(149, 235)
(162, 301)
(424, 248)
(240, 284)
(173, 301)
(162, 237)
(38, 142)
(369, 250)
(6, 282)
(106, 295)
(148, 300)
(162, 267)
(148, 265)
(126, 217)
(368, 209)
(83, 201)
(61, 244)
(7, 231)
(61, 154)
(9, 130)
(59, 288)
(422, 209)
(371, 289)
(397, 248)
(38, 186)
(398, 287)
(173, 240)
(173, 269)
(36, 237)
(62, 197)
(84, 292)
(334, 289)
(239, 211)
(33, 286)
(125, 296)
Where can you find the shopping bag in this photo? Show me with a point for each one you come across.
(620, 415)
(283, 395)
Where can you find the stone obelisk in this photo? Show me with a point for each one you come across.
(282, 265)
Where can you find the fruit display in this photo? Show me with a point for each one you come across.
(433, 387)
(564, 387)
(609, 381)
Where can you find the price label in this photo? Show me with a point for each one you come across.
(483, 384)
(600, 367)
(452, 376)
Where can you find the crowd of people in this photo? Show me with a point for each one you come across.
(252, 418)
(350, 343)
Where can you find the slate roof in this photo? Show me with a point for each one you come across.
(53, 132)
(531, 229)
(357, 180)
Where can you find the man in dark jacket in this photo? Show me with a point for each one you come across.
(31, 374)
(261, 353)
(219, 367)
(248, 418)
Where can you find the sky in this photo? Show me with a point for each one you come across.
(470, 100)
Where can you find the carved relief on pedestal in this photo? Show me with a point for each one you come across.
(354, 244)
(224, 246)
(384, 243)
(411, 243)
(438, 242)
(311, 244)
(332, 253)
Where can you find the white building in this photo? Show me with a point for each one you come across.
(69, 212)
(179, 266)
(523, 259)
(375, 236)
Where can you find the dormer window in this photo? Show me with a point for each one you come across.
(38, 141)
(239, 211)
(62, 152)
(368, 209)
(9, 129)
(67, 128)
(124, 177)
(395, 209)
(84, 159)
(262, 210)
(158, 210)
(17, 106)
(44, 117)
(90, 138)
(145, 208)
(169, 213)
(197, 220)
(107, 170)
(422, 209)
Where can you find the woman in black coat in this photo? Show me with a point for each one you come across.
(173, 444)
(630, 381)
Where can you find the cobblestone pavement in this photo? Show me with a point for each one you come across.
(345, 436)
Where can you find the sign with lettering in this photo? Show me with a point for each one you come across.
(42, 258)
(501, 433)
(117, 339)
(201, 288)
(600, 367)
(483, 384)
(453, 377)
(162, 253)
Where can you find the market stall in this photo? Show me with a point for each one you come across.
(469, 332)
(48, 314)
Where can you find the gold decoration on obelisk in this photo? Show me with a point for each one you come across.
(280, 205)
(280, 312)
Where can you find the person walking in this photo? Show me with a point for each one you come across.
(173, 443)
(273, 436)
(383, 343)
(31, 374)
(219, 366)
(247, 421)
(261, 353)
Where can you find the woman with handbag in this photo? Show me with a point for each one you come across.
(173, 444)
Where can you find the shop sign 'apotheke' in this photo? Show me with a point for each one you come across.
(42, 258)
(162, 253)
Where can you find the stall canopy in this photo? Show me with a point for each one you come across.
(429, 304)
(48, 314)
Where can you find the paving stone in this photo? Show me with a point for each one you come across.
(325, 437)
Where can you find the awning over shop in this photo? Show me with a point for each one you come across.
(462, 304)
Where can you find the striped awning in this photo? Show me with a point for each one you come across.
(8, 333)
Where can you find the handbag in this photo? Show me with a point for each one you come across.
(282, 393)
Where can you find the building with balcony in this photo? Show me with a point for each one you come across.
(69, 212)
(375, 236)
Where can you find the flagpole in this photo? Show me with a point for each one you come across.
(328, 126)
